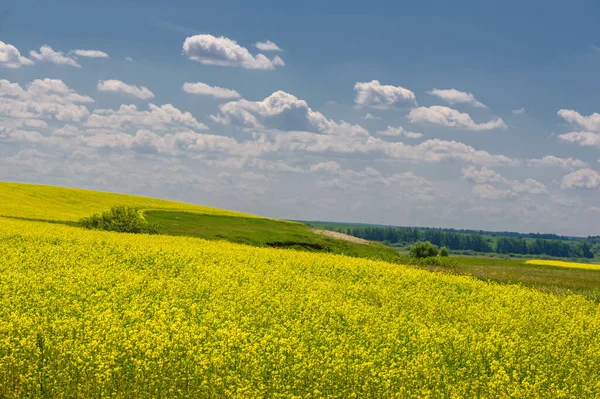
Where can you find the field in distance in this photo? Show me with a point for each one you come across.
(547, 276)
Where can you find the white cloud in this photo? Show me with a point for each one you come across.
(47, 54)
(564, 200)
(42, 99)
(117, 86)
(278, 61)
(255, 177)
(173, 144)
(129, 59)
(370, 117)
(43, 88)
(552, 161)
(483, 175)
(582, 138)
(440, 115)
(90, 53)
(530, 186)
(284, 123)
(19, 135)
(486, 191)
(267, 46)
(583, 178)
(520, 111)
(328, 166)
(453, 96)
(222, 51)
(10, 57)
(591, 123)
(333, 176)
(374, 94)
(204, 89)
(399, 131)
(282, 111)
(165, 117)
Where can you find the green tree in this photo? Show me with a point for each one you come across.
(423, 250)
(444, 251)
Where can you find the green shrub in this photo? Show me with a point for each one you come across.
(121, 219)
(423, 250)
(435, 261)
(444, 252)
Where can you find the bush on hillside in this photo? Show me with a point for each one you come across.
(122, 219)
(444, 252)
(434, 261)
(423, 250)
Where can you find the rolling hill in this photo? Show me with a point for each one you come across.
(62, 205)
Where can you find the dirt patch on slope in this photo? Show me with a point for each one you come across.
(341, 236)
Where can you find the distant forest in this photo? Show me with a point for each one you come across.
(473, 240)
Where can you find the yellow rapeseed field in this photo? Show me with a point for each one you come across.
(58, 203)
(90, 314)
(560, 263)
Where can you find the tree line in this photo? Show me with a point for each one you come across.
(476, 242)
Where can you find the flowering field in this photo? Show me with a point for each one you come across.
(97, 314)
(559, 263)
(58, 203)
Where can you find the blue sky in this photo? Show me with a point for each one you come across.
(344, 125)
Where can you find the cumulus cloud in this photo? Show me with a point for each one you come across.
(440, 115)
(10, 57)
(90, 53)
(308, 130)
(222, 51)
(582, 138)
(282, 111)
(278, 61)
(117, 86)
(552, 161)
(145, 141)
(486, 177)
(530, 186)
(561, 199)
(328, 166)
(267, 46)
(486, 191)
(165, 117)
(399, 131)
(520, 111)
(591, 122)
(333, 176)
(583, 178)
(215, 91)
(370, 117)
(374, 94)
(453, 96)
(42, 99)
(47, 54)
(483, 175)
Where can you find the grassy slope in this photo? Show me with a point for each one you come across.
(67, 205)
(262, 232)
